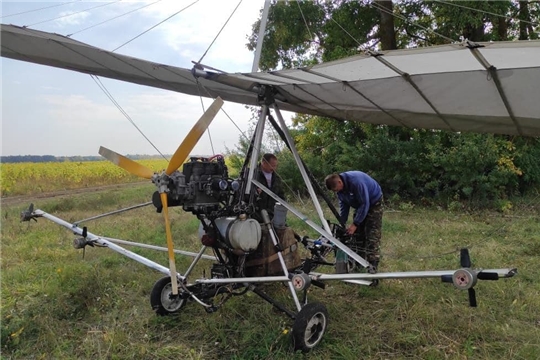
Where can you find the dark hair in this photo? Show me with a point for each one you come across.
(267, 157)
(331, 181)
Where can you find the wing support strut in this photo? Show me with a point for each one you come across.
(492, 70)
(348, 85)
(325, 230)
(407, 77)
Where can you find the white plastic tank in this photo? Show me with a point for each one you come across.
(240, 234)
(244, 234)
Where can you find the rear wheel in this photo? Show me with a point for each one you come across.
(309, 327)
(162, 300)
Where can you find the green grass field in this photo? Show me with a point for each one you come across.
(57, 305)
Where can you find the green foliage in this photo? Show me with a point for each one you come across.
(301, 33)
(419, 165)
(526, 158)
(475, 167)
(359, 18)
(461, 22)
(288, 170)
(287, 40)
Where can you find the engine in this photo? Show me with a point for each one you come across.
(205, 189)
(201, 187)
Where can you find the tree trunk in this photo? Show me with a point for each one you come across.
(386, 28)
(474, 33)
(502, 29)
(523, 15)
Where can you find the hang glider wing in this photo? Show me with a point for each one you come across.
(487, 87)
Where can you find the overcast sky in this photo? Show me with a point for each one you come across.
(49, 111)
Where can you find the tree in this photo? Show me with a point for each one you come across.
(386, 26)
(431, 163)
(300, 33)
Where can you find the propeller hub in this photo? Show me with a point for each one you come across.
(464, 279)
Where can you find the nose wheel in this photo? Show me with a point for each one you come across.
(162, 299)
(309, 327)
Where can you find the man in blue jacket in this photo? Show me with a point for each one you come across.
(360, 191)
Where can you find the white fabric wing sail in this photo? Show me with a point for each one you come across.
(485, 87)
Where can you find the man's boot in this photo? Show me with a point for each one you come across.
(372, 268)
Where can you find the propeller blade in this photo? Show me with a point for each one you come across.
(447, 278)
(126, 164)
(488, 276)
(465, 258)
(170, 248)
(193, 137)
(472, 297)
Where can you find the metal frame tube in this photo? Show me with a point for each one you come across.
(159, 248)
(259, 130)
(275, 241)
(195, 261)
(112, 213)
(302, 169)
(110, 245)
(314, 226)
(260, 37)
(247, 280)
(502, 273)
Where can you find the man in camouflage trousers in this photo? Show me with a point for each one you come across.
(360, 191)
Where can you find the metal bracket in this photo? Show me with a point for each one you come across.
(28, 214)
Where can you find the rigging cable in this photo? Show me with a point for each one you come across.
(275, 136)
(352, 37)
(305, 21)
(159, 23)
(487, 12)
(204, 110)
(43, 8)
(360, 45)
(226, 22)
(116, 17)
(210, 96)
(109, 95)
(400, 16)
(75, 13)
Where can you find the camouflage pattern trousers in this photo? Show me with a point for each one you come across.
(368, 243)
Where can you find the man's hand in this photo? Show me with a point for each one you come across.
(351, 229)
(259, 190)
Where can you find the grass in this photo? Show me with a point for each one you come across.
(55, 304)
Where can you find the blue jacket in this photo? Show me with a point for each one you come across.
(359, 192)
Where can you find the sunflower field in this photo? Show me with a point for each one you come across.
(32, 178)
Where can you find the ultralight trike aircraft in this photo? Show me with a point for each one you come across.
(459, 87)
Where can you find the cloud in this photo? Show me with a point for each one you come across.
(163, 117)
(51, 103)
(54, 88)
(169, 117)
(78, 111)
(191, 32)
(68, 18)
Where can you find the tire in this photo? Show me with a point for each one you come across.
(309, 327)
(161, 298)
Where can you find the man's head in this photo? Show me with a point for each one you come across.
(269, 163)
(333, 182)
